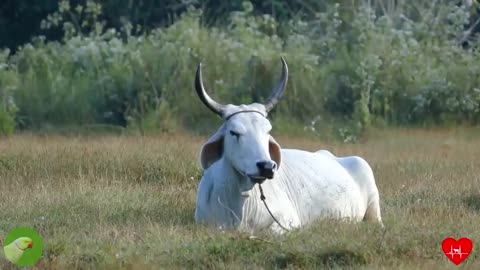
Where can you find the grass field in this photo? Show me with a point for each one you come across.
(126, 202)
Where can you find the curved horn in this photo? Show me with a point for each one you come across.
(277, 93)
(204, 97)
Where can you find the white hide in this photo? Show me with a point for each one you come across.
(307, 186)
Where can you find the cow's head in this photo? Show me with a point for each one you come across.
(244, 138)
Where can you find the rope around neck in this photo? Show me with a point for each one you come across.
(244, 111)
(262, 197)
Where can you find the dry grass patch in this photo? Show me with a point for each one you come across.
(125, 202)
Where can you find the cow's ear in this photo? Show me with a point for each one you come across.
(275, 151)
(212, 150)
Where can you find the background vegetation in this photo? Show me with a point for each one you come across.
(131, 65)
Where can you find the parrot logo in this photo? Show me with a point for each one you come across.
(14, 251)
(22, 247)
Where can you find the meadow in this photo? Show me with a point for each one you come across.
(396, 82)
(127, 202)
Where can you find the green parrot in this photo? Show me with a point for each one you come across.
(14, 251)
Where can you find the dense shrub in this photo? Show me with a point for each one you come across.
(357, 64)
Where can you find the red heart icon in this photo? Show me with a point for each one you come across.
(457, 251)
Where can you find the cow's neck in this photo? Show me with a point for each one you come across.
(239, 199)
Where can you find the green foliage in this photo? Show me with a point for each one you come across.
(362, 65)
(8, 82)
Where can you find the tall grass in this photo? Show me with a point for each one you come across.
(379, 64)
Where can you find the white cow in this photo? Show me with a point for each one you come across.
(302, 187)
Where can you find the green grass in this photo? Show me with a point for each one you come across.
(127, 202)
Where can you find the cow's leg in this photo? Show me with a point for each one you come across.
(373, 215)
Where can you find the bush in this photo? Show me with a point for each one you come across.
(359, 65)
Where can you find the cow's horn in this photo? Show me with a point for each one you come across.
(204, 97)
(277, 93)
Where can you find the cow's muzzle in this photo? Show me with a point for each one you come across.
(266, 168)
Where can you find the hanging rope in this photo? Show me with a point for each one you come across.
(262, 197)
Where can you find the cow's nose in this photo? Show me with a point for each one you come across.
(266, 168)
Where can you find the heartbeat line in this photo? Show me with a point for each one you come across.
(456, 251)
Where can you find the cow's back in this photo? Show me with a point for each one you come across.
(319, 186)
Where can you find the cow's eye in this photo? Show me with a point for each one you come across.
(235, 134)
